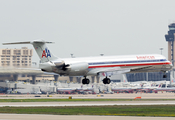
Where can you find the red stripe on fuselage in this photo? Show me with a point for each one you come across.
(125, 65)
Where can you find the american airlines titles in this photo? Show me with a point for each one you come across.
(145, 57)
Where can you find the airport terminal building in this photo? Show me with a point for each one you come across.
(152, 76)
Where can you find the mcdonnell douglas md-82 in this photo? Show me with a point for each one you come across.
(96, 66)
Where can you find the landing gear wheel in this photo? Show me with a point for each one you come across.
(85, 81)
(106, 81)
(164, 76)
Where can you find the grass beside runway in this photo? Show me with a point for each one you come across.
(78, 100)
(121, 110)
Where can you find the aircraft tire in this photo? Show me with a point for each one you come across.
(85, 81)
(106, 81)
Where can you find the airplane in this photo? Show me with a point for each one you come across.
(170, 89)
(147, 88)
(141, 88)
(96, 66)
(66, 90)
(123, 89)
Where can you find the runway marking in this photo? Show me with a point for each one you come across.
(76, 117)
(85, 104)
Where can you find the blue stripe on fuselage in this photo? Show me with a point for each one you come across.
(128, 62)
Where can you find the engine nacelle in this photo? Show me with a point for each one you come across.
(78, 67)
(47, 67)
(59, 64)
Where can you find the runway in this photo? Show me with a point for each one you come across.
(75, 117)
(91, 103)
(159, 95)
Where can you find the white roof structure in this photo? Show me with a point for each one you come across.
(29, 71)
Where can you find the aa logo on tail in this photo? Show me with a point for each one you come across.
(46, 53)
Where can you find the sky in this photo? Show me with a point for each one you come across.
(88, 27)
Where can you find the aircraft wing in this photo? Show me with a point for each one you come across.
(117, 70)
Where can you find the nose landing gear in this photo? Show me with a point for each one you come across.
(164, 76)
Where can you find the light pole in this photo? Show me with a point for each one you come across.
(161, 49)
(172, 69)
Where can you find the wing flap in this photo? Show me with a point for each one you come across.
(140, 68)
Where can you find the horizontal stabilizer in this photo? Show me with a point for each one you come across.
(28, 42)
(16, 43)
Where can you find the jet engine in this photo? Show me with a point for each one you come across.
(47, 66)
(61, 65)
(73, 67)
(78, 67)
(70, 69)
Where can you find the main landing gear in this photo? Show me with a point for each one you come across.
(85, 81)
(106, 80)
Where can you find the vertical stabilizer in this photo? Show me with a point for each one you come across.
(43, 52)
(160, 85)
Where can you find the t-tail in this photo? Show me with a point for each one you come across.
(160, 85)
(40, 47)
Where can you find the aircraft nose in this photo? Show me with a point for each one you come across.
(171, 66)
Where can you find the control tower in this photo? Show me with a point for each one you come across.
(170, 38)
